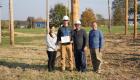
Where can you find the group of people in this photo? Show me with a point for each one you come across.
(73, 42)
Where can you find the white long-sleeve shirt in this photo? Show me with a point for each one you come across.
(51, 42)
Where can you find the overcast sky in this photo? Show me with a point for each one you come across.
(36, 8)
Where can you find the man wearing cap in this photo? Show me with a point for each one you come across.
(64, 37)
(80, 41)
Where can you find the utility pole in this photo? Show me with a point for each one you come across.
(109, 15)
(135, 18)
(126, 17)
(67, 7)
(75, 10)
(0, 27)
(47, 16)
(11, 24)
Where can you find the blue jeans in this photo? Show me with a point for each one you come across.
(80, 60)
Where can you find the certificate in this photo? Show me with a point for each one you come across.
(65, 39)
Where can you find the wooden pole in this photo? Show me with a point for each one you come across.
(126, 17)
(47, 15)
(135, 18)
(74, 10)
(0, 28)
(109, 15)
(11, 25)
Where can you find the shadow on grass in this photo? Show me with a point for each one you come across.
(123, 57)
(24, 65)
(30, 66)
(132, 59)
(133, 54)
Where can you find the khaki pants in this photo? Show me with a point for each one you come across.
(66, 49)
(96, 58)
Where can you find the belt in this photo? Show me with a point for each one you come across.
(66, 43)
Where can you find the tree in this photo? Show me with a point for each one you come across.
(87, 17)
(100, 19)
(118, 8)
(139, 8)
(5, 24)
(131, 10)
(30, 22)
(118, 17)
(17, 24)
(57, 13)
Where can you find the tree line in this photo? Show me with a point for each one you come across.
(118, 11)
(87, 16)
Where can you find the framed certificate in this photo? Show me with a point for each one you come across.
(65, 39)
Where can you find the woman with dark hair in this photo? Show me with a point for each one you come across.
(51, 48)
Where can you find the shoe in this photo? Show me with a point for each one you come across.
(84, 70)
(50, 70)
(99, 71)
(62, 69)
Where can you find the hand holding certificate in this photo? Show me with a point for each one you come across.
(65, 39)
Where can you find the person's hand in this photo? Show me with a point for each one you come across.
(71, 42)
(85, 48)
(100, 49)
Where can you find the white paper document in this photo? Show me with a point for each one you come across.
(65, 39)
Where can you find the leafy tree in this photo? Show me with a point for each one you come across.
(100, 19)
(139, 8)
(4, 24)
(118, 8)
(131, 9)
(87, 17)
(30, 22)
(57, 13)
(118, 17)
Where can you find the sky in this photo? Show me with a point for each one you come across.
(37, 8)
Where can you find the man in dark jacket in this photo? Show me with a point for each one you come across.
(80, 41)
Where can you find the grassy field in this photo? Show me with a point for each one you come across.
(27, 60)
(20, 38)
(114, 29)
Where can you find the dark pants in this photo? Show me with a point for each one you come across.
(80, 60)
(51, 60)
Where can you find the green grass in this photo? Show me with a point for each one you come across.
(21, 40)
(5, 42)
(114, 29)
(32, 31)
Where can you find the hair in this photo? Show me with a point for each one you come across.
(94, 22)
(51, 26)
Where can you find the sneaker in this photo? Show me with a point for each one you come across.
(99, 71)
(50, 70)
(62, 69)
(84, 70)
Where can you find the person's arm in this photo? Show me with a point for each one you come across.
(49, 43)
(58, 36)
(84, 40)
(89, 39)
(101, 38)
(71, 35)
